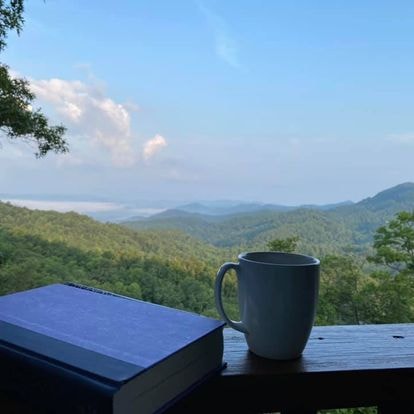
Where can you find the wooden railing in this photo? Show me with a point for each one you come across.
(342, 366)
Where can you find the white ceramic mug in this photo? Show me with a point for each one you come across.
(277, 294)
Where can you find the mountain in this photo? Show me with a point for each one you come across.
(161, 266)
(106, 210)
(341, 227)
(324, 207)
(99, 209)
(220, 209)
(253, 230)
(217, 209)
(172, 258)
(175, 212)
(400, 197)
(82, 232)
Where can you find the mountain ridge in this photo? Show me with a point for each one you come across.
(173, 261)
(211, 210)
(353, 223)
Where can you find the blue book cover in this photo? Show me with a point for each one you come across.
(126, 348)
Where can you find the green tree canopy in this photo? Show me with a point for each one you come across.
(385, 298)
(287, 245)
(394, 243)
(18, 119)
(339, 297)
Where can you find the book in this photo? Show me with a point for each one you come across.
(68, 348)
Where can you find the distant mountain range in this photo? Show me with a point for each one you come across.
(107, 210)
(192, 217)
(223, 208)
(341, 226)
(99, 209)
(38, 247)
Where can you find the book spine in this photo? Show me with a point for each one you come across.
(50, 388)
(95, 290)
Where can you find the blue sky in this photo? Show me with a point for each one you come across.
(287, 102)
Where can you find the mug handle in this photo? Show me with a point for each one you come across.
(238, 326)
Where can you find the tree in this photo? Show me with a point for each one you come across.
(390, 293)
(339, 297)
(387, 299)
(287, 245)
(17, 118)
(394, 243)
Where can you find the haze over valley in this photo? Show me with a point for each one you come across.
(119, 210)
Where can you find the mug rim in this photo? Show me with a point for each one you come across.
(313, 261)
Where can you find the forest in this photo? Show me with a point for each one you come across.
(366, 277)
(366, 248)
(366, 253)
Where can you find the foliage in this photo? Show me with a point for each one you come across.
(362, 410)
(387, 298)
(351, 295)
(165, 267)
(342, 230)
(394, 243)
(287, 245)
(319, 233)
(11, 18)
(174, 269)
(17, 118)
(340, 296)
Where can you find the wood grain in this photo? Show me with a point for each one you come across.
(330, 349)
(342, 366)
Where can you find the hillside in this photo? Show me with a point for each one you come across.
(228, 208)
(400, 197)
(318, 232)
(364, 217)
(341, 228)
(175, 269)
(84, 233)
(169, 267)
(223, 208)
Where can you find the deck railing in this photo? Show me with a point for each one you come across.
(342, 367)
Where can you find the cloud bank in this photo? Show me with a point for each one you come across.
(96, 118)
(153, 146)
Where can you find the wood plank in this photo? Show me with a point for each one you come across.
(342, 366)
(330, 349)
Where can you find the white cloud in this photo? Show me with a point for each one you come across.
(225, 45)
(152, 146)
(87, 112)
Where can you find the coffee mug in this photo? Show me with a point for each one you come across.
(277, 295)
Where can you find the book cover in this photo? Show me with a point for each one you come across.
(76, 349)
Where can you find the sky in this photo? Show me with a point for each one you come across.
(288, 102)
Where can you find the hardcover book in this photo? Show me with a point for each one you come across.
(74, 349)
